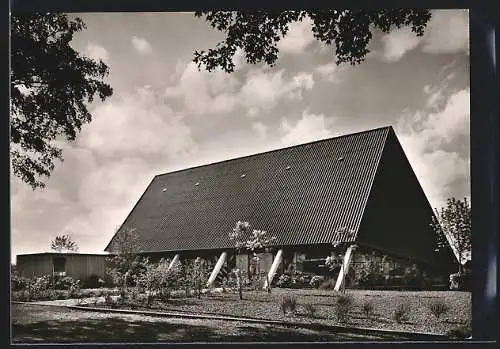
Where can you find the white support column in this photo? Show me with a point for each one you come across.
(217, 268)
(173, 261)
(274, 267)
(345, 266)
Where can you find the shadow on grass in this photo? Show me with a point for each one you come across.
(119, 330)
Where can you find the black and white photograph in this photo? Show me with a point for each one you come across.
(240, 176)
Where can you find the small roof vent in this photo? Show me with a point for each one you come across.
(341, 158)
(287, 168)
(197, 184)
(164, 189)
(243, 175)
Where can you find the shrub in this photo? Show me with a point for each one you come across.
(327, 284)
(401, 313)
(109, 301)
(438, 308)
(316, 281)
(66, 283)
(288, 304)
(283, 281)
(18, 282)
(367, 307)
(310, 309)
(343, 306)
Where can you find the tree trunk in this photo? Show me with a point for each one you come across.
(240, 291)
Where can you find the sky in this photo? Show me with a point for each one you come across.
(166, 115)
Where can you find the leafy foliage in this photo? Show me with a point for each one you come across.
(157, 279)
(196, 275)
(343, 307)
(252, 240)
(288, 304)
(438, 308)
(453, 226)
(401, 313)
(316, 281)
(310, 309)
(50, 87)
(257, 33)
(67, 283)
(64, 243)
(367, 307)
(124, 262)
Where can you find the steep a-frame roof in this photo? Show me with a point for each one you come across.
(301, 195)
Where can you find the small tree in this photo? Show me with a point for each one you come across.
(196, 274)
(452, 225)
(124, 248)
(64, 243)
(251, 240)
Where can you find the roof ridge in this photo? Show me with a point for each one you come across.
(389, 127)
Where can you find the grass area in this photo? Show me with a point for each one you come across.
(261, 305)
(33, 323)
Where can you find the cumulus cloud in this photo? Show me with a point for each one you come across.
(261, 130)
(431, 140)
(398, 42)
(308, 128)
(262, 90)
(446, 32)
(141, 45)
(97, 52)
(205, 92)
(298, 37)
(139, 124)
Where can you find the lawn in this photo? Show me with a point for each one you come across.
(33, 323)
(261, 305)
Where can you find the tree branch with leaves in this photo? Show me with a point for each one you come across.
(64, 243)
(51, 86)
(257, 33)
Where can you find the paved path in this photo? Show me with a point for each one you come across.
(37, 323)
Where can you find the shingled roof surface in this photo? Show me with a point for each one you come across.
(301, 195)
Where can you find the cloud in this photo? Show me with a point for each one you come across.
(261, 130)
(447, 32)
(398, 42)
(205, 92)
(97, 52)
(262, 90)
(432, 142)
(141, 45)
(308, 128)
(137, 124)
(298, 37)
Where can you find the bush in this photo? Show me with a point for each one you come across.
(18, 282)
(316, 281)
(438, 308)
(310, 309)
(283, 281)
(66, 283)
(401, 313)
(327, 284)
(367, 307)
(343, 307)
(288, 304)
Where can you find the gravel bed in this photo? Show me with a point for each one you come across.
(261, 305)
